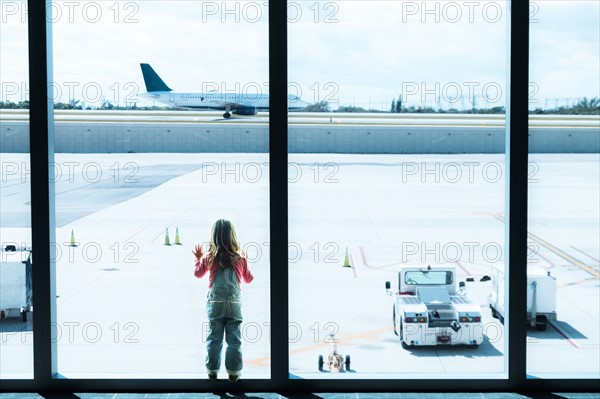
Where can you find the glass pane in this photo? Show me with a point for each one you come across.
(147, 169)
(564, 191)
(16, 320)
(397, 175)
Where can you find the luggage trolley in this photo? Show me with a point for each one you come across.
(15, 282)
(335, 361)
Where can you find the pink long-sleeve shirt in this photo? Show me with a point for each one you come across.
(240, 268)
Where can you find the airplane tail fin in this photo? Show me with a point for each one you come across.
(152, 80)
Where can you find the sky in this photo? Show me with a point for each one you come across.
(363, 53)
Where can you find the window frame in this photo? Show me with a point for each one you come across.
(43, 227)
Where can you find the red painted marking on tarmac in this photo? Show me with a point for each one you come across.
(588, 255)
(138, 232)
(464, 268)
(544, 258)
(364, 259)
(353, 268)
(362, 254)
(564, 334)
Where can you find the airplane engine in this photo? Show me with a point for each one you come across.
(245, 110)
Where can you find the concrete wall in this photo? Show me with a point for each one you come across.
(92, 137)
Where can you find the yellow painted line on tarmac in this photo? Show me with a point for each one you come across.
(555, 250)
(367, 334)
(578, 282)
(564, 255)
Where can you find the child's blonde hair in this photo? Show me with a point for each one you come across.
(224, 248)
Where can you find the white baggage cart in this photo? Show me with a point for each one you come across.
(15, 282)
(541, 297)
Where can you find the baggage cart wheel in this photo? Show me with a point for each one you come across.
(394, 318)
(494, 313)
(541, 323)
(321, 362)
(347, 362)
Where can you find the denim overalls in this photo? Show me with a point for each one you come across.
(224, 309)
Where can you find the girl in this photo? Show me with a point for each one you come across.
(227, 269)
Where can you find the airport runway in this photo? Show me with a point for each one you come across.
(309, 118)
(131, 303)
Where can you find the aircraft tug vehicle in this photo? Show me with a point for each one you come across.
(428, 309)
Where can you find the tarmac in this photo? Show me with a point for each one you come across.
(130, 307)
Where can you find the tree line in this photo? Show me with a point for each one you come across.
(582, 107)
(76, 105)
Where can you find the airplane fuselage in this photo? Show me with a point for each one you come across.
(218, 101)
(236, 103)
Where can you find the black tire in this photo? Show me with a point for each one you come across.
(401, 335)
(494, 313)
(541, 322)
(321, 362)
(24, 316)
(347, 362)
(394, 318)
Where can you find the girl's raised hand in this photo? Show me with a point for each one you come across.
(197, 251)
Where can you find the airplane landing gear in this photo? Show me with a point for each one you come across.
(227, 115)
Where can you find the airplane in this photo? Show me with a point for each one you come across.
(236, 103)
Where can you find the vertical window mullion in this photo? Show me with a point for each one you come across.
(278, 191)
(517, 125)
(41, 133)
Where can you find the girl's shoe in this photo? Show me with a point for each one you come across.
(212, 376)
(233, 378)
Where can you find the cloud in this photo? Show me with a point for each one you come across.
(367, 50)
